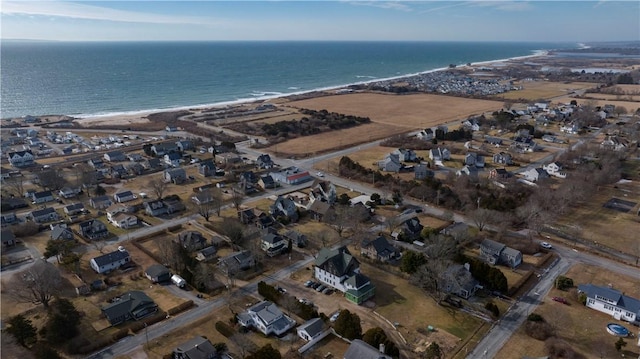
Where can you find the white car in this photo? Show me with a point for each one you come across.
(334, 317)
(546, 245)
(320, 174)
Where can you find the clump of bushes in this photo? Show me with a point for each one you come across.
(224, 329)
(493, 308)
(536, 327)
(564, 283)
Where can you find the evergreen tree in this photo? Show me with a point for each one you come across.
(22, 329)
(348, 325)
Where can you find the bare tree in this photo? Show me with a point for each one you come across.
(158, 186)
(99, 245)
(15, 185)
(431, 277)
(236, 198)
(482, 217)
(204, 276)
(217, 200)
(234, 230)
(170, 253)
(38, 284)
(210, 202)
(51, 180)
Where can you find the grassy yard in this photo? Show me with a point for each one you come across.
(399, 301)
(533, 90)
(583, 328)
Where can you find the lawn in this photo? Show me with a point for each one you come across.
(399, 301)
(599, 225)
(583, 328)
(534, 90)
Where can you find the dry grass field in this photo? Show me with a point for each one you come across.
(534, 90)
(583, 328)
(409, 111)
(598, 224)
(390, 114)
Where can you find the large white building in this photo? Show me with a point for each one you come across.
(338, 269)
(267, 318)
(612, 302)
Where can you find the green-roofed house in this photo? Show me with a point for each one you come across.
(338, 269)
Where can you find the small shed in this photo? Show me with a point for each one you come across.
(158, 273)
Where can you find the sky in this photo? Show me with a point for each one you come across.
(530, 21)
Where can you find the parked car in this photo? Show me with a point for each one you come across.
(546, 245)
(321, 288)
(560, 300)
(315, 285)
(327, 291)
(309, 283)
(281, 290)
(334, 317)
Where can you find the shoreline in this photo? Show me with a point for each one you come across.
(138, 116)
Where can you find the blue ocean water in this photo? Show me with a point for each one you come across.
(82, 79)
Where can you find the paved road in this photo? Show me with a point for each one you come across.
(129, 344)
(500, 333)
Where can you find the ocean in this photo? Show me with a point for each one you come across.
(105, 78)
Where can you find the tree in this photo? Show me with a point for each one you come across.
(433, 278)
(344, 199)
(51, 180)
(234, 230)
(236, 199)
(22, 329)
(38, 284)
(482, 217)
(44, 351)
(619, 110)
(62, 324)
(266, 352)
(376, 336)
(99, 191)
(15, 185)
(57, 248)
(411, 261)
(433, 351)
(348, 325)
(211, 202)
(620, 344)
(158, 186)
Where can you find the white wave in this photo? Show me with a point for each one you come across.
(366, 77)
(293, 88)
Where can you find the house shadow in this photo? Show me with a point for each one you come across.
(386, 294)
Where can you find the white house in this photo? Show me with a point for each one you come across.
(173, 159)
(555, 169)
(311, 329)
(340, 270)
(612, 302)
(267, 318)
(124, 196)
(110, 261)
(273, 244)
(426, 134)
(123, 220)
(439, 154)
(21, 158)
(391, 163)
(535, 174)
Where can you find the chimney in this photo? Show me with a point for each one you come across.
(467, 267)
(381, 348)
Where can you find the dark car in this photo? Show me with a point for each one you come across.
(560, 300)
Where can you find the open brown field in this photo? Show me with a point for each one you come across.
(409, 111)
(629, 105)
(599, 225)
(534, 90)
(399, 301)
(583, 328)
(334, 140)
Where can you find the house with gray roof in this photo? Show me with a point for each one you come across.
(497, 253)
(503, 158)
(48, 214)
(158, 273)
(206, 254)
(100, 202)
(339, 269)
(612, 302)
(273, 244)
(175, 175)
(132, 305)
(311, 329)
(284, 207)
(378, 248)
(94, 229)
(8, 238)
(196, 348)
(110, 261)
(267, 318)
(192, 240)
(236, 262)
(457, 280)
(61, 232)
(358, 349)
(42, 197)
(391, 163)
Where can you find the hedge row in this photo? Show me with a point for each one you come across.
(139, 325)
(224, 329)
(180, 307)
(514, 288)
